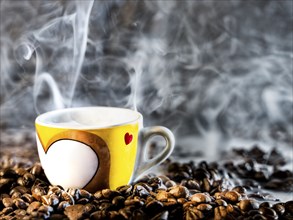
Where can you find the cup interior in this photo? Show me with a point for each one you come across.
(88, 117)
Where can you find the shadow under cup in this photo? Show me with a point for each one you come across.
(96, 147)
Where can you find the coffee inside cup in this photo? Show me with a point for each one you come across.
(87, 117)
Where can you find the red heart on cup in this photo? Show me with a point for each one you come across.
(128, 138)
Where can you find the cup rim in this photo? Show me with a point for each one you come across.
(39, 119)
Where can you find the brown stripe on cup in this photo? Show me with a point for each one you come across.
(101, 178)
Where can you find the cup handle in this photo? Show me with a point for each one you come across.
(142, 162)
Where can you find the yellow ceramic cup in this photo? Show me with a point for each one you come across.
(96, 147)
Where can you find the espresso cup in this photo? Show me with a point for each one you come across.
(96, 147)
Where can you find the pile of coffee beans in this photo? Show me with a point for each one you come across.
(185, 191)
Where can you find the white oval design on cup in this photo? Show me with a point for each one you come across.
(69, 162)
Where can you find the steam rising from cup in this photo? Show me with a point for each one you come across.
(196, 67)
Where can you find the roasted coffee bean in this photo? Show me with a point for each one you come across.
(206, 185)
(289, 207)
(105, 206)
(125, 190)
(20, 189)
(204, 207)
(97, 215)
(97, 202)
(75, 212)
(200, 174)
(192, 184)
(170, 183)
(186, 168)
(230, 208)
(82, 201)
(45, 200)
(34, 206)
(153, 182)
(139, 214)
(157, 183)
(54, 200)
(5, 183)
(109, 194)
(75, 193)
(19, 212)
(221, 202)
(36, 169)
(279, 208)
(29, 178)
(38, 192)
(193, 213)
(180, 176)
(162, 195)
(181, 200)
(62, 205)
(127, 211)
(140, 191)
(3, 195)
(179, 191)
(114, 215)
(15, 195)
(97, 195)
(118, 201)
(7, 210)
(20, 204)
(200, 198)
(54, 190)
(248, 204)
(265, 204)
(8, 173)
(89, 208)
(20, 181)
(259, 217)
(232, 196)
(7, 202)
(45, 208)
(171, 202)
(240, 189)
(67, 197)
(188, 204)
(154, 206)
(27, 198)
(220, 213)
(253, 212)
(20, 171)
(164, 178)
(133, 202)
(85, 194)
(268, 212)
(42, 215)
(173, 167)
